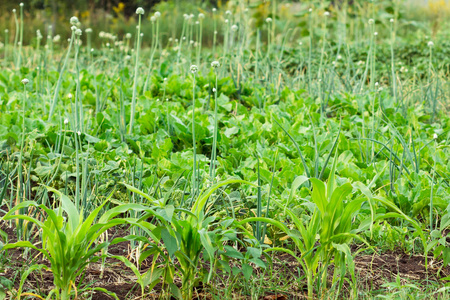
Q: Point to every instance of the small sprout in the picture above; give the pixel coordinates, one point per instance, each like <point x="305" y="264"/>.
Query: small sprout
<point x="215" y="64"/>
<point x="25" y="81"/>
<point x="430" y="44"/>
<point x="371" y="21"/>
<point x="74" y="20"/>
<point x="157" y="14"/>
<point x="234" y="28"/>
<point x="194" y="69"/>
<point x="139" y="11"/>
<point x="269" y="20"/>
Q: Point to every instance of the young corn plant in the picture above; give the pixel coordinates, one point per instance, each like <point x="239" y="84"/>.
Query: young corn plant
<point x="186" y="234"/>
<point x="68" y="240"/>
<point x="325" y="239"/>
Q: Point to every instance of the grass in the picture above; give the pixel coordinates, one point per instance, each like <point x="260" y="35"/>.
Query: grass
<point x="227" y="147"/>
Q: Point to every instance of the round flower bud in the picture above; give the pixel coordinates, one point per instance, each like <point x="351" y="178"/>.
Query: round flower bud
<point x="391" y="20"/>
<point x="214" y="90"/>
<point x="25" y="81"/>
<point x="78" y="32"/>
<point x="128" y="35"/>
<point x="214" y="9"/>
<point x="215" y="64"/>
<point x="430" y="44"/>
<point x="70" y="96"/>
<point x="201" y="16"/>
<point x="269" y="20"/>
<point x="21" y="4"/>
<point x="73" y="28"/>
<point x="88" y="30"/>
<point x="435" y="136"/>
<point x="157" y="14"/>
<point x="228" y="12"/>
<point x="66" y="121"/>
<point x="326" y="14"/>
<point x="139" y="11"/>
<point x="74" y="20"/>
<point x="194" y="69"/>
<point x="14" y="10"/>
<point x="153" y="18"/>
<point x="371" y="21"/>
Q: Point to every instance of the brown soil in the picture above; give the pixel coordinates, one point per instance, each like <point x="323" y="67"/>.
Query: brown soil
<point x="373" y="270"/>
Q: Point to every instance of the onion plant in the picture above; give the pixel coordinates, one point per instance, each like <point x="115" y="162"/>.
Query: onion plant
<point x="139" y="12"/>
<point x="74" y="22"/>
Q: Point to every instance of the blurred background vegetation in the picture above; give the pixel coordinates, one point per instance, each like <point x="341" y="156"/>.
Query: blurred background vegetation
<point x="427" y="17"/>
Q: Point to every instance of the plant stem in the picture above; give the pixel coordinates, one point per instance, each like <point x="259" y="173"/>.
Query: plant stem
<point x="133" y="99"/>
